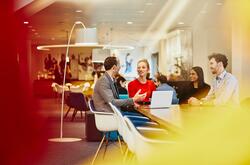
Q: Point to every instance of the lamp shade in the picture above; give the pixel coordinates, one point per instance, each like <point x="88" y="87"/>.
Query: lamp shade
<point x="87" y="36"/>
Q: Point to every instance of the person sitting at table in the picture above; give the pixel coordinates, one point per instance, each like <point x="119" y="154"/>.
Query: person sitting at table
<point x="161" y="82"/>
<point x="198" y="88"/>
<point x="224" y="89"/>
<point x="105" y="90"/>
<point x="142" y="83"/>
<point x="121" y="85"/>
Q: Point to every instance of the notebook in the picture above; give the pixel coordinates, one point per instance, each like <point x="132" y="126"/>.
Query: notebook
<point x="161" y="99"/>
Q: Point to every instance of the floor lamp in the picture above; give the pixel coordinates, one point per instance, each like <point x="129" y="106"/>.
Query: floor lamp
<point x="61" y="138"/>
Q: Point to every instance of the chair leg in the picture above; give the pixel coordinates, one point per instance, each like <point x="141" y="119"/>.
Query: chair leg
<point x="125" y="155"/>
<point x="74" y="114"/>
<point x="120" y="144"/>
<point x="106" y="145"/>
<point x="81" y="114"/>
<point x="67" y="112"/>
<point x="99" y="147"/>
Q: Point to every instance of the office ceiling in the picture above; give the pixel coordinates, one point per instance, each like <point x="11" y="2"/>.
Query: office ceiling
<point x="122" y="22"/>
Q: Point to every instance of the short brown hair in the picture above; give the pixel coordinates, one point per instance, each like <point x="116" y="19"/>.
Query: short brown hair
<point x="162" y="79"/>
<point x="219" y="58"/>
<point x="110" y="62"/>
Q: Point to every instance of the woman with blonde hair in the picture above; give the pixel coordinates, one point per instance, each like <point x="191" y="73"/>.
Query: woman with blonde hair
<point x="142" y="83"/>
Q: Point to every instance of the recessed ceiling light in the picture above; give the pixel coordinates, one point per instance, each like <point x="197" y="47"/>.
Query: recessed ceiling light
<point x="36" y="33"/>
<point x="180" y="23"/>
<point x="53" y="38"/>
<point x="129" y="22"/>
<point x="78" y="11"/>
<point x="25" y="22"/>
<point x="219" y="3"/>
<point x="33" y="30"/>
<point x="149" y="3"/>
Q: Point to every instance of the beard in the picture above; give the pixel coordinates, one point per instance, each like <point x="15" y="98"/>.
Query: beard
<point x="213" y="70"/>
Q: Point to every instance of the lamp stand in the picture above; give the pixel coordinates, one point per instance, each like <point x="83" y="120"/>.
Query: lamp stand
<point x="61" y="138"/>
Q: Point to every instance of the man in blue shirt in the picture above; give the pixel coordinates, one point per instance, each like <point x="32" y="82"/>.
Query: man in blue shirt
<point x="161" y="82"/>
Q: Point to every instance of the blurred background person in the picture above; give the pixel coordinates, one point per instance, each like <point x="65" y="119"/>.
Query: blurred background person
<point x="121" y="85"/>
<point x="161" y="82"/>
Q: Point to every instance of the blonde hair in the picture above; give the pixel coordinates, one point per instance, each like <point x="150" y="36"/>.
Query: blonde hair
<point x="145" y="61"/>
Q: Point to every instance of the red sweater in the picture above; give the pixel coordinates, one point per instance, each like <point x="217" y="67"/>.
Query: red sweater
<point x="135" y="85"/>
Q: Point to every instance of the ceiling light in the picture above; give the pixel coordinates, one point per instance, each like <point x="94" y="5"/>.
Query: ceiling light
<point x="218" y="3"/>
<point x="25" y="22"/>
<point x="129" y="22"/>
<point x="29" y="26"/>
<point x="117" y="47"/>
<point x="53" y="38"/>
<point x="149" y="3"/>
<point x="36" y="33"/>
<point x="33" y="30"/>
<point x="78" y="11"/>
<point x="181" y="23"/>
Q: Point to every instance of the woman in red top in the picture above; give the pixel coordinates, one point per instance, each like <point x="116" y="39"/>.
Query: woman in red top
<point x="141" y="83"/>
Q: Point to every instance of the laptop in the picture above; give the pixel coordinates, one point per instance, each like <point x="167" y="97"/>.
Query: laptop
<point x="161" y="99"/>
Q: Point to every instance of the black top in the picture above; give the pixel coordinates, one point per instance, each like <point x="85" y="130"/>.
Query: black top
<point x="198" y="93"/>
<point x="122" y="90"/>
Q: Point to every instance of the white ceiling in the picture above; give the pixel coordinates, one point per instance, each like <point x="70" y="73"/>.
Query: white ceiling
<point x="51" y="20"/>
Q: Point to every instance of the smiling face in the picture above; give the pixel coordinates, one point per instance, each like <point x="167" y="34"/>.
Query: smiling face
<point x="193" y="76"/>
<point x="142" y="69"/>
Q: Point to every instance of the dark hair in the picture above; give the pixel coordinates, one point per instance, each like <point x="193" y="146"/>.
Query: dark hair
<point x="110" y="62"/>
<point x="120" y="79"/>
<point x="162" y="79"/>
<point x="219" y="58"/>
<point x="200" y="75"/>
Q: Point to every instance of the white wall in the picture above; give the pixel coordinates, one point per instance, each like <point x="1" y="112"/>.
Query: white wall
<point x="241" y="57"/>
<point x="208" y="40"/>
<point x="136" y="55"/>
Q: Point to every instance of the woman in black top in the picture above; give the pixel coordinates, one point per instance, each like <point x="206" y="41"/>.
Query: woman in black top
<point x="199" y="89"/>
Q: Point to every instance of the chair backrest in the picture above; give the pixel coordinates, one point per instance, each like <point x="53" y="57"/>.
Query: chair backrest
<point x="75" y="89"/>
<point x="105" y="121"/>
<point x="120" y="121"/>
<point x="77" y="101"/>
<point x="145" y="146"/>
<point x="59" y="88"/>
<point x="53" y="85"/>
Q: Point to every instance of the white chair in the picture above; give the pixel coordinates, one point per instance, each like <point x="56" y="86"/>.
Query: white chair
<point x="126" y="132"/>
<point x="121" y="122"/>
<point x="146" y="142"/>
<point x="75" y="89"/>
<point x="86" y="86"/>
<point x="105" y="122"/>
<point x="59" y="88"/>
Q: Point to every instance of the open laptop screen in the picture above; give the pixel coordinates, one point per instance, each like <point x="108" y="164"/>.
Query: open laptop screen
<point x="161" y="99"/>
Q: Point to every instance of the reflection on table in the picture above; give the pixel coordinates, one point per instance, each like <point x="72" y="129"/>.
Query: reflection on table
<point x="179" y="118"/>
